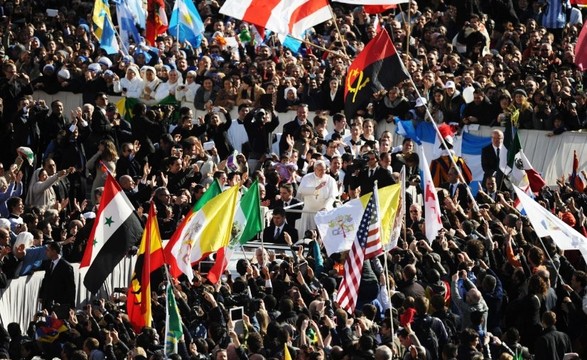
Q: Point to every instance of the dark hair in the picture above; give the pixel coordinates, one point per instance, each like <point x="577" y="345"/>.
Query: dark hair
<point x="53" y="245"/>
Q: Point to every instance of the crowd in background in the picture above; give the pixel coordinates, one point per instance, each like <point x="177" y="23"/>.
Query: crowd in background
<point x="486" y="287"/>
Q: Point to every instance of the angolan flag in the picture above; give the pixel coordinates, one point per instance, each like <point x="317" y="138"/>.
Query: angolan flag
<point x="376" y="68"/>
<point x="116" y="229"/>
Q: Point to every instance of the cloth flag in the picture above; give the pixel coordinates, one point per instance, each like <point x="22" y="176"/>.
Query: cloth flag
<point x="26" y="153"/>
<point x="522" y="173"/>
<point x="149" y="259"/>
<point x="156" y="20"/>
<point x="50" y="329"/>
<point x="116" y="228"/>
<point x="173" y="328"/>
<point x="373" y="2"/>
<point x="127" y="24"/>
<point x="367" y="244"/>
<point x="431" y="204"/>
<point x="378" y="9"/>
<point x="399" y="214"/>
<point x="338" y="227"/>
<point x="388" y="199"/>
<point x="546" y="223"/>
<point x="99" y="13"/>
<point x="286" y="354"/>
<point x="204" y="232"/>
<point x="211" y="193"/>
<point x="575" y="179"/>
<point x="366" y="75"/>
<point x="108" y="40"/>
<point x="186" y="23"/>
<point x="247" y="223"/>
<point x="139" y="12"/>
<point x="287" y="17"/>
<point x="581" y="50"/>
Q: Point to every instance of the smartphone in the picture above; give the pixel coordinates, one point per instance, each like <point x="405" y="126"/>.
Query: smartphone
<point x="209" y="145"/>
<point x="303" y="266"/>
<point x="205" y="266"/>
<point x="236" y="313"/>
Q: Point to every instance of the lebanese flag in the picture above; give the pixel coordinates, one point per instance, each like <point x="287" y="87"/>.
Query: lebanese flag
<point x="149" y="259"/>
<point x="156" y="20"/>
<point x="213" y="191"/>
<point x="247" y="223"/>
<point x="376" y="68"/>
<point x="575" y="179"/>
<point x="116" y="229"/>
<point x="286" y="17"/>
<point x="431" y="203"/>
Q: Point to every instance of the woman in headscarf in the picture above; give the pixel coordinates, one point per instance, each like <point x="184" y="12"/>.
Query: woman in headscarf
<point x="169" y="88"/>
<point x="205" y="95"/>
<point x="152" y="82"/>
<point x="41" y="192"/>
<point x="131" y="85"/>
<point x="102" y="162"/>
<point x="187" y="92"/>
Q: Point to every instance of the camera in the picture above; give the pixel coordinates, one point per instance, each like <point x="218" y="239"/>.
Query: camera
<point x="259" y="114"/>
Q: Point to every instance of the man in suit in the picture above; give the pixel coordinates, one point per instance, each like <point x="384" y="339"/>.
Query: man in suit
<point x="293" y="127"/>
<point x="58" y="285"/>
<point x="494" y="160"/>
<point x="373" y="172"/>
<point x="286" y="199"/>
<point x="456" y="188"/>
<point x="552" y="344"/>
<point x="488" y="195"/>
<point x="274" y="233"/>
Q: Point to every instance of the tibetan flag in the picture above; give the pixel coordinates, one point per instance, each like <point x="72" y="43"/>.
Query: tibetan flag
<point x="173" y="328"/>
<point x="376" y="68"/>
<point x="204" y="232"/>
<point x="186" y="23"/>
<point x="116" y="228"/>
<point x="149" y="259"/>
<point x="211" y="193"/>
<point x="247" y="223"/>
<point x="99" y="14"/>
<point x="156" y="20"/>
<point x="575" y="179"/>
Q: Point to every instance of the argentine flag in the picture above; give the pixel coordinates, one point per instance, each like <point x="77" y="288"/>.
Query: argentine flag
<point x="186" y="23"/>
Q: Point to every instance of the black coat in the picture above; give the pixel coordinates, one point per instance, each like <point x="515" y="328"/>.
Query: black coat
<point x="383" y="177"/>
<point x="552" y="345"/>
<point x="269" y="233"/>
<point x="58" y="285"/>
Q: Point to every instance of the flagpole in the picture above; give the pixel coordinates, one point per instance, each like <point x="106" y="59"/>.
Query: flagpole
<point x="337" y="53"/>
<point x="404" y="187"/>
<point x="338" y="30"/>
<point x="443" y="143"/>
<point x="409" y="27"/>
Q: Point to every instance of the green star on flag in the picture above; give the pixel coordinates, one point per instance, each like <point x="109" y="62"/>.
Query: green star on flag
<point x="109" y="221"/>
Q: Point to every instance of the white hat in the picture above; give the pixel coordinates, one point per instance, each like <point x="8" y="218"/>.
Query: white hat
<point x="64" y="74"/>
<point x="105" y="61"/>
<point x="95" y="67"/>
<point x="450" y="85"/>
<point x="420" y="102"/>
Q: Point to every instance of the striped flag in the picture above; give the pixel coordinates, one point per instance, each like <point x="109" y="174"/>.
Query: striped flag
<point x="367" y="245"/>
<point x="116" y="228"/>
<point x="575" y="179"/>
<point x="431" y="203"/>
<point x="149" y="259"/>
<point x="173" y="328"/>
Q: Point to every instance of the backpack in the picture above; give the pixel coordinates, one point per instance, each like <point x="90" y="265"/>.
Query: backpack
<point x="423" y="329"/>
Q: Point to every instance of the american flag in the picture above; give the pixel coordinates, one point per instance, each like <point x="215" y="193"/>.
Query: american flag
<point x="367" y="245"/>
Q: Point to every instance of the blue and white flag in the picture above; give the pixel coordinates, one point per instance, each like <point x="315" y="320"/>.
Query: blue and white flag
<point x="108" y="40"/>
<point x="186" y="23"/>
<point x="127" y="22"/>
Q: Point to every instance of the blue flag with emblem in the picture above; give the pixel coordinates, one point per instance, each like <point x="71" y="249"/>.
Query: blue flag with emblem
<point x="186" y="23"/>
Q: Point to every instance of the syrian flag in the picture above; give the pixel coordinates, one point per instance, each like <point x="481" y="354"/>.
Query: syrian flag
<point x="376" y="68"/>
<point x="247" y="223"/>
<point x="117" y="228"/>
<point x="522" y="173"/>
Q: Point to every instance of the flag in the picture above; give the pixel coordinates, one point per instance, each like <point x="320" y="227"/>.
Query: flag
<point x="99" y="14"/>
<point x="139" y="12"/>
<point x="108" y="40"/>
<point x="173" y="328"/>
<point x="399" y="214"/>
<point x="407" y="129"/>
<point x="247" y="223"/>
<point x="204" y="232"/>
<point x="581" y="50"/>
<point x="212" y="192"/>
<point x="575" y="179"/>
<point x="546" y="223"/>
<point x="388" y="199"/>
<point x="431" y="204"/>
<point x="373" y="2"/>
<point x="366" y="76"/>
<point x="149" y="259"/>
<point x="26" y="153"/>
<point x="281" y="16"/>
<point x="366" y="245"/>
<point x="522" y="173"/>
<point x="186" y="23"/>
<point x="116" y="228"/>
<point x="50" y="329"/>
<point x="286" y="354"/>
<point x="338" y="227"/>
<point x="378" y="9"/>
<point x="156" y="20"/>
<point x="127" y="24"/>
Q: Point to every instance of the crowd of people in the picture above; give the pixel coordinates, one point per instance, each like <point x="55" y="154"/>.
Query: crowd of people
<point x="485" y="288"/>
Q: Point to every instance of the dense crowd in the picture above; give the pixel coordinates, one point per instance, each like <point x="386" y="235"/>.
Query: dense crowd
<point x="486" y="288"/>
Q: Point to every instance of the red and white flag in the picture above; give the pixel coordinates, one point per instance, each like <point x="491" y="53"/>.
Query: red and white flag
<point x="286" y="17"/>
<point x="581" y="50"/>
<point x="373" y="2"/>
<point x="367" y="245"/>
<point x="431" y="204"/>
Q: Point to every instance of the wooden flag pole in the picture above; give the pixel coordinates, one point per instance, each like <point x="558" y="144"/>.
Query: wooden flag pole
<point x="338" y="31"/>
<point x="337" y="53"/>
